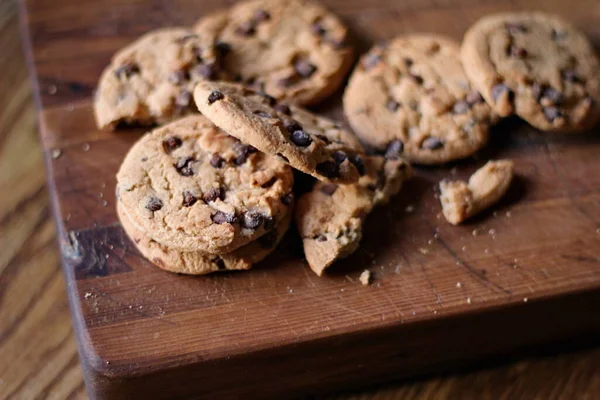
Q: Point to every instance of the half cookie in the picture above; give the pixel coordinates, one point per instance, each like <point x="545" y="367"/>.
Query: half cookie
<point x="192" y="187"/>
<point x="412" y="97"/>
<point x="294" y="50"/>
<point x="151" y="80"/>
<point x="537" y="66"/>
<point x="310" y="143"/>
<point x="330" y="217"/>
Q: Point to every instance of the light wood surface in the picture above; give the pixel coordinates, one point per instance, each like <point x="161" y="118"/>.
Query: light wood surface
<point x="35" y="333"/>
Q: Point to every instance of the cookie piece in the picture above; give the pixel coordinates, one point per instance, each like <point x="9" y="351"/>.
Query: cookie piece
<point x="313" y="144"/>
<point x="294" y="50"/>
<point x="199" y="263"/>
<point x="151" y="80"/>
<point x="191" y="187"/>
<point x="411" y="96"/>
<point x="330" y="217"/>
<point x="461" y="200"/>
<point x="537" y="66"/>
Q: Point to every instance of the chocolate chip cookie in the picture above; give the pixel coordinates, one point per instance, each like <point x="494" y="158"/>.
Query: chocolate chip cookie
<point x="295" y="50"/>
<point x="151" y="80"/>
<point x="411" y="97"/>
<point x="199" y="263"/>
<point x="537" y="66"/>
<point x="461" y="200"/>
<point x="330" y="217"/>
<point x="313" y="144"/>
<point x="191" y="187"/>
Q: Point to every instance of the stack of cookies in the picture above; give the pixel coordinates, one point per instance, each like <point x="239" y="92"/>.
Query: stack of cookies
<point x="213" y="187"/>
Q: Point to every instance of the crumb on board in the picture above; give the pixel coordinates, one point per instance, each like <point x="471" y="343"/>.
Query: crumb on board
<point x="87" y="295"/>
<point x="365" y="277"/>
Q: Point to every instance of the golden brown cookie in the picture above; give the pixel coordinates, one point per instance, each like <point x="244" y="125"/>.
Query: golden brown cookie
<point x="537" y="66"/>
<point x="192" y="187"/>
<point x="412" y="97"/>
<point x="312" y="144"/>
<point x="295" y="50"/>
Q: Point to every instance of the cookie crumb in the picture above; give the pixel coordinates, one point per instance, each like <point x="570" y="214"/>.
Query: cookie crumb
<point x="508" y="214"/>
<point x="525" y="299"/>
<point x="475" y="232"/>
<point x="423" y="250"/>
<point x="52" y="89"/>
<point x="87" y="295"/>
<point x="86" y="147"/>
<point x="56" y="153"/>
<point x="458" y="285"/>
<point x="365" y="277"/>
<point x="409" y="208"/>
<point x="492" y="231"/>
<point x="468" y="300"/>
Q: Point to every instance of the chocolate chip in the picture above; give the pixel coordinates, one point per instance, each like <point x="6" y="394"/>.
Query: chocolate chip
<point x="171" y="143"/>
<point x="269" y="239"/>
<point x="318" y="29"/>
<point x="221" y="218"/>
<point x="292" y="126"/>
<point x="553" y="95"/>
<point x="223" y="48"/>
<point x="216" y="161"/>
<point x="262" y="114"/>
<point x="370" y="61"/>
<point x="282" y="157"/>
<point x="417" y="78"/>
<point x="320" y="238"/>
<point x="359" y="163"/>
<point x="392" y="105"/>
<point x="514" y="28"/>
<point x="269" y="183"/>
<point x="287" y="199"/>
<point x="220" y="263"/>
<point x="251" y="219"/>
<point x="474" y="97"/>
<point x="248" y="28"/>
<point x="324" y="138"/>
<point x="517" y="52"/>
<point x="408" y="61"/>
<point x="261" y="15"/>
<point x="339" y="157"/>
<point x="432" y="143"/>
<point x="570" y="76"/>
<point x="215" y="95"/>
<point x="213" y="194"/>
<point x="269" y="223"/>
<point x="206" y="71"/>
<point x="304" y="68"/>
<point x="551" y="113"/>
<point x="153" y="204"/>
<point x="283" y="108"/>
<point x="184" y="166"/>
<point x="329" y="189"/>
<point x="499" y="89"/>
<point x="329" y="169"/>
<point x="183" y="100"/>
<point x="178" y="77"/>
<point x="393" y="150"/>
<point x="301" y="138"/>
<point x="460" y="107"/>
<point x="251" y="149"/>
<point x="189" y="199"/>
<point x="127" y="69"/>
<point x="556" y="35"/>
<point x="243" y="151"/>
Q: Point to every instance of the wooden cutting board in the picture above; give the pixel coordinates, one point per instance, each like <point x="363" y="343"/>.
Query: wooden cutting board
<point x="526" y="274"/>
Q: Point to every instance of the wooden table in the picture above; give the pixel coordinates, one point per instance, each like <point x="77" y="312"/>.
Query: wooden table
<point x="38" y="355"/>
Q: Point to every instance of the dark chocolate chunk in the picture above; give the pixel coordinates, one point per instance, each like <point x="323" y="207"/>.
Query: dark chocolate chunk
<point x="178" y="77"/>
<point x="216" y="161"/>
<point x="392" y="105"/>
<point x="329" y="169"/>
<point x="292" y="126"/>
<point x="329" y="188"/>
<point x="243" y="151"/>
<point x="394" y="149"/>
<point x="213" y="194"/>
<point x="359" y="163"/>
<point x="221" y="218"/>
<point x="283" y="108"/>
<point x="251" y="219"/>
<point x="220" y="263"/>
<point x="189" y="199"/>
<point x="553" y="95"/>
<point x="215" y="95"/>
<point x="318" y="29"/>
<point x="551" y="113"/>
<point x="339" y="157"/>
<point x="185" y="166"/>
<point x="474" y="97"/>
<point x="171" y="143"/>
<point x="287" y="199"/>
<point x="304" y="68"/>
<point x="127" y="69"/>
<point x="432" y="143"/>
<point x="417" y="78"/>
<point x="223" y="48"/>
<point x="370" y="60"/>
<point x="408" y="61"/>
<point x="153" y="204"/>
<point x="460" y="107"/>
<point x="498" y="89"/>
<point x="301" y="138"/>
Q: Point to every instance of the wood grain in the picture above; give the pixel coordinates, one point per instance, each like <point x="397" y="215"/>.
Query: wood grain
<point x="34" y="328"/>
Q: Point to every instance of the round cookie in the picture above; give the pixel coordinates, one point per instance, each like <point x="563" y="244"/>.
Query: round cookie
<point x="152" y="79"/>
<point x="192" y="187"/>
<point x="310" y="143"/>
<point x="294" y="50"/>
<point x="199" y="263"/>
<point x="412" y="97"/>
<point x="537" y="66"/>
